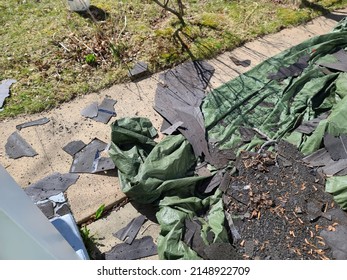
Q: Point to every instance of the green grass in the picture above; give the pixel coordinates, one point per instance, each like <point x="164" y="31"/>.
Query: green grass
<point x="56" y="55"/>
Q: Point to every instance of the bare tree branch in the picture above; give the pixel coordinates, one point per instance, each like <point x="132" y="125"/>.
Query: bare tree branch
<point x="179" y="14"/>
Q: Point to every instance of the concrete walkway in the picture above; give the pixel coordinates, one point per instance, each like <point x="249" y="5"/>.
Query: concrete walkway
<point x="133" y="99"/>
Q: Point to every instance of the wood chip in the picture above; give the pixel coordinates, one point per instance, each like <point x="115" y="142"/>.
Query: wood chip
<point x="318" y="227"/>
<point x="331" y="228"/>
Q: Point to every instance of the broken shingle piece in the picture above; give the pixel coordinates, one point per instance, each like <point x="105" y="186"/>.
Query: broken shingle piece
<point x="106" y="110"/>
<point x="139" y="71"/>
<point x="128" y="233"/>
<point x="47" y="208"/>
<point x="178" y="99"/>
<point x="91" y="111"/>
<point x="50" y="185"/>
<point x="221" y="158"/>
<point x="320" y="157"/>
<point x="74" y="147"/>
<point x="88" y="160"/>
<point x="292" y="70"/>
<point x="171" y="129"/>
<point x="246" y="133"/>
<point x="238" y="62"/>
<point x="192" y="236"/>
<point x="33" y="123"/>
<point x="335" y="167"/>
<point x="336" y="146"/>
<point x="140" y="248"/>
<point x="5" y="90"/>
<point x="210" y="185"/>
<point x="336" y="240"/>
<point x="341" y="64"/>
<point x="17" y="147"/>
<point x="307" y="127"/>
<point x="100" y="113"/>
<point x="63" y="210"/>
<point x="103" y="164"/>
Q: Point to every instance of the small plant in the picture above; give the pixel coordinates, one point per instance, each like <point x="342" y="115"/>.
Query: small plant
<point x="90" y="59"/>
<point x="117" y="51"/>
<point x="99" y="212"/>
<point x="85" y="234"/>
<point x="88" y="240"/>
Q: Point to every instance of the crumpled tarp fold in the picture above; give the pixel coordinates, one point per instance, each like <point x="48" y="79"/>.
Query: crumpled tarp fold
<point x="163" y="173"/>
<point x="277" y="108"/>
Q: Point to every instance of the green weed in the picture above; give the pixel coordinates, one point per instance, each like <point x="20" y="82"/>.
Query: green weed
<point x="99" y="212"/>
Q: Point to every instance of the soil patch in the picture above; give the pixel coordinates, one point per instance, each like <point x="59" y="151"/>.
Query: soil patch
<point x="279" y="206"/>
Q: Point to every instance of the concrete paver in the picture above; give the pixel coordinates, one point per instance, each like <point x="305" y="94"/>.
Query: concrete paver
<point x="103" y="229"/>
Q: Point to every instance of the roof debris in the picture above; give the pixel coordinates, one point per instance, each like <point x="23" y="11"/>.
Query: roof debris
<point x="171" y="129"/>
<point x="139" y="248"/>
<point x="47" y="208"/>
<point x="91" y="111"/>
<point x="100" y="113"/>
<point x="307" y="127"/>
<point x="292" y="70"/>
<point x="17" y="147"/>
<point x="337" y="241"/>
<point x="50" y="186"/>
<point x="106" y="111"/>
<point x="277" y="207"/>
<point x="238" y="62"/>
<point x="128" y="233"/>
<point x="90" y="160"/>
<point x="341" y="61"/>
<point x="192" y="236"/>
<point x="332" y="158"/>
<point x="74" y="147"/>
<point x="139" y="71"/>
<point x="178" y="99"/>
<point x="32" y="123"/>
<point x="336" y="146"/>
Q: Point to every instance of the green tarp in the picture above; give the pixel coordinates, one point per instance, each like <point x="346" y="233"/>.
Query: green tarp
<point x="163" y="173"/>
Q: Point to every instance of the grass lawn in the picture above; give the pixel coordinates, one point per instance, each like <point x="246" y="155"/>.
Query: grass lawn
<point x="55" y="54"/>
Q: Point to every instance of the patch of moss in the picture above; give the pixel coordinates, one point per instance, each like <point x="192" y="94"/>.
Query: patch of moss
<point x="165" y="32"/>
<point x="292" y="17"/>
<point x="211" y="20"/>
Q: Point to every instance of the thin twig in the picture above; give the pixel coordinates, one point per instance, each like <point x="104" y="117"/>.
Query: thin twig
<point x="267" y="143"/>
<point x="262" y="133"/>
<point x="123" y="29"/>
<point x="64" y="47"/>
<point x="151" y="224"/>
